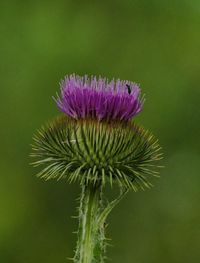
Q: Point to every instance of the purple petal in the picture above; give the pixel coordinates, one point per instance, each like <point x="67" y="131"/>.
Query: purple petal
<point x="84" y="97"/>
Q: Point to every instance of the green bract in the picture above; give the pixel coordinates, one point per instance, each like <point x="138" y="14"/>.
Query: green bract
<point x="91" y="151"/>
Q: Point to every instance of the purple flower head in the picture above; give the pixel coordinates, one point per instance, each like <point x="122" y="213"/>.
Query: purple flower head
<point x="84" y="97"/>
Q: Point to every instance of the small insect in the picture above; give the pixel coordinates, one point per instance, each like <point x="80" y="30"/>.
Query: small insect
<point x="129" y="88"/>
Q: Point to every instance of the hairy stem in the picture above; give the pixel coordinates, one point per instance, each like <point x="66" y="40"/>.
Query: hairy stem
<point x="92" y="216"/>
<point x="90" y="246"/>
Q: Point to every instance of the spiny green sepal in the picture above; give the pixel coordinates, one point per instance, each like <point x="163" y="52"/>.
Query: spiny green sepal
<point x="88" y="151"/>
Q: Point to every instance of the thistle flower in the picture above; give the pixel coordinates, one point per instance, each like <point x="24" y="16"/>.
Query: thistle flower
<point x="83" y="97"/>
<point x="95" y="143"/>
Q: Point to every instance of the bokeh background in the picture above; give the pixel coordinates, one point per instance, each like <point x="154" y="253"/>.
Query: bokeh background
<point x="155" y="43"/>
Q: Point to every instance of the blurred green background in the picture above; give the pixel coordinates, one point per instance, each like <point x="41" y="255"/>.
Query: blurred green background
<point x="155" y="43"/>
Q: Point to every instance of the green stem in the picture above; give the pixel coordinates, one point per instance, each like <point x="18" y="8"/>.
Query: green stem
<point x="90" y="246"/>
<point x="92" y="216"/>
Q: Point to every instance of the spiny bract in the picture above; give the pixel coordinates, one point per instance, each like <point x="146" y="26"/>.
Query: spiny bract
<point x="87" y="150"/>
